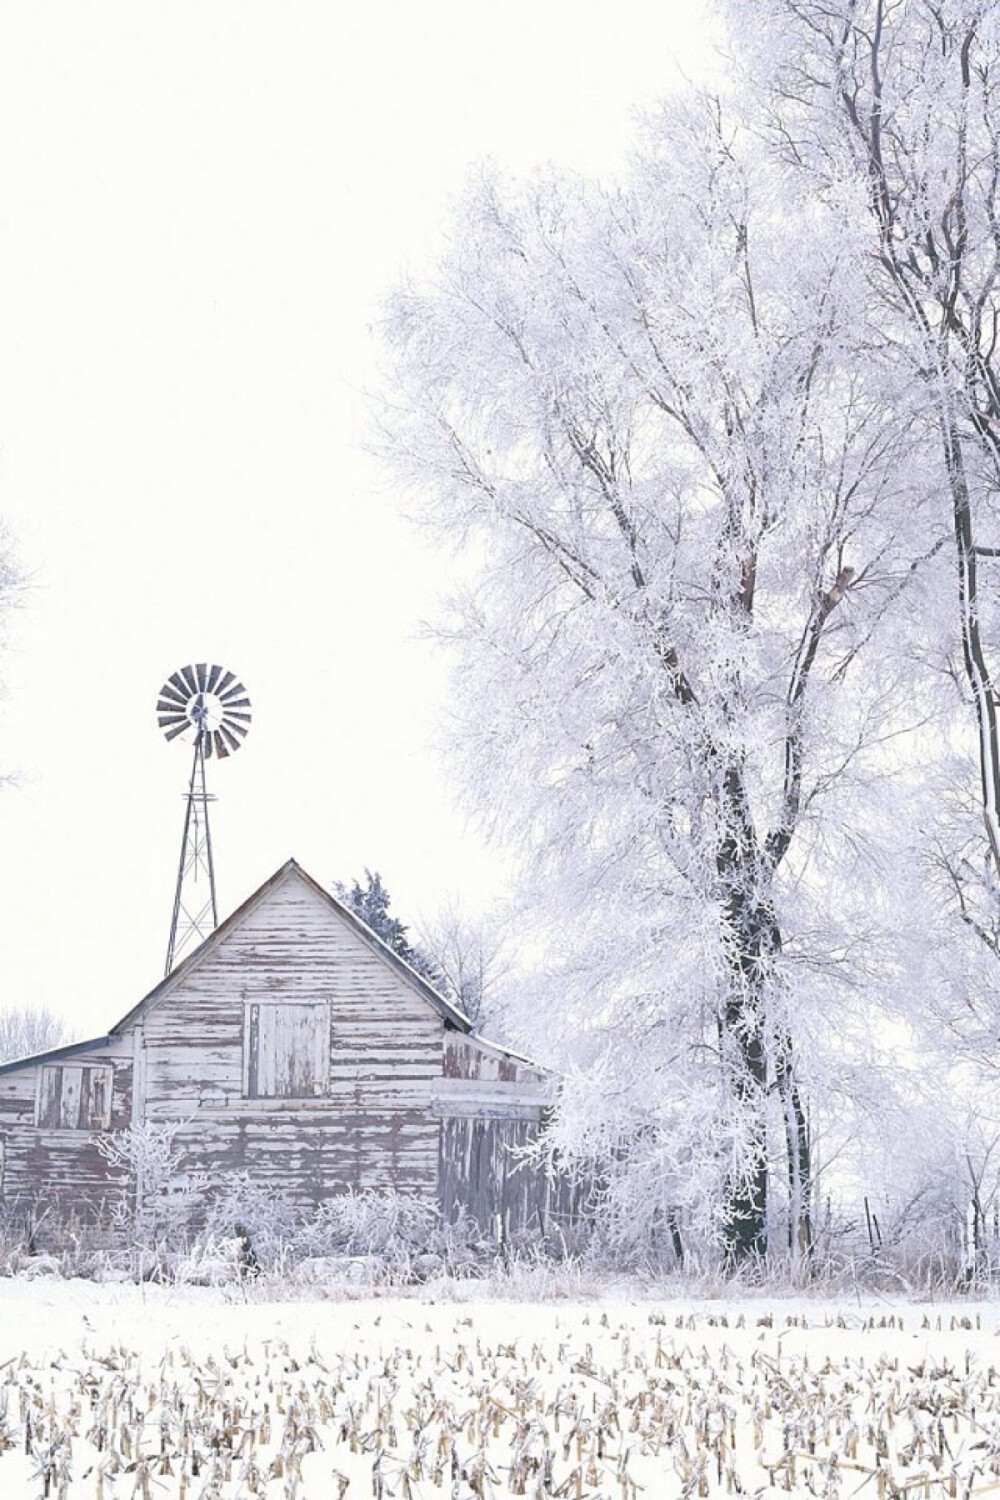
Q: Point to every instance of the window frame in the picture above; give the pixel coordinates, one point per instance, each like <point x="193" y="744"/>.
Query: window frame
<point x="42" y="1095"/>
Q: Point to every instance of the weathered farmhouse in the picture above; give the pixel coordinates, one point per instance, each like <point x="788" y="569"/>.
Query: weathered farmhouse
<point x="292" y="1045"/>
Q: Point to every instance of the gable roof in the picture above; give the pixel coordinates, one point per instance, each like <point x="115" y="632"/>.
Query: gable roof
<point x="450" y="1014"/>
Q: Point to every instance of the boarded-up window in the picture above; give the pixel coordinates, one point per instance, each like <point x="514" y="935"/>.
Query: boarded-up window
<point x="74" y="1097"/>
<point x="286" y="1051"/>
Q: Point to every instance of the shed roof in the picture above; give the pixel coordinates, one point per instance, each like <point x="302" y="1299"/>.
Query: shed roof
<point x="56" y="1054"/>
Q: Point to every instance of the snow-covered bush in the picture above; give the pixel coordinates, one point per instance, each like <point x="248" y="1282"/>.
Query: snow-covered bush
<point x="210" y="1262"/>
<point x="155" y="1195"/>
<point x="402" y="1235"/>
<point x="406" y="1233"/>
<point x="13" y="1241"/>
<point x="369" y="1223"/>
<point x="271" y="1224"/>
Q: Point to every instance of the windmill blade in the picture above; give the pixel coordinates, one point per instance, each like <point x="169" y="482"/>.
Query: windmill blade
<point x="232" y="693"/>
<point x="227" y="678"/>
<point x="188" y="675"/>
<point x="166" y="705"/>
<point x="172" y="721"/>
<point x="172" y="716"/>
<point x="231" y="718"/>
<point x="230" y="738"/>
<point x="201" y="672"/>
<point x="221" y="748"/>
<point x="172" y="695"/>
<point x="171" y="734"/>
<point x="181" y="687"/>
<point x="214" y="673"/>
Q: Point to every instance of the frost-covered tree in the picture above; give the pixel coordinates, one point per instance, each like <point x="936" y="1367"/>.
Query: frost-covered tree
<point x="471" y="958"/>
<point x="650" y="418"/>
<point x="27" y="1029"/>
<point x="905" y="100"/>
<point x="891" y="113"/>
<point x="155" y="1193"/>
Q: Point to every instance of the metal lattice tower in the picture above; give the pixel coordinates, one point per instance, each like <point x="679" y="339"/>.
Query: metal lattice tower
<point x="210" y="707"/>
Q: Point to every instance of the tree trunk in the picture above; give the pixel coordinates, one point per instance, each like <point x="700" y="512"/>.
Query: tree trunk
<point x="676" y="1240"/>
<point x="799" y="1154"/>
<point x="752" y="940"/>
<point x="745" y="1209"/>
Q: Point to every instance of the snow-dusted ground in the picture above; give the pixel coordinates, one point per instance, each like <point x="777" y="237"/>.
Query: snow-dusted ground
<point x="109" y="1391"/>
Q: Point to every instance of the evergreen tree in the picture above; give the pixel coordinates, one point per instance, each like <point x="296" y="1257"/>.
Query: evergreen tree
<point x="370" y="902"/>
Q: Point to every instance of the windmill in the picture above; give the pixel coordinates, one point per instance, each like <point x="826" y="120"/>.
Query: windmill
<point x="210" y="708"/>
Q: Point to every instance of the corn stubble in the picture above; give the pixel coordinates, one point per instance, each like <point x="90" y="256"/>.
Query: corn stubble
<point x="700" y="1406"/>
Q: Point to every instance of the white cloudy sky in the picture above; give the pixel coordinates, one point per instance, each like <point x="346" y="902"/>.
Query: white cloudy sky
<point x="200" y="206"/>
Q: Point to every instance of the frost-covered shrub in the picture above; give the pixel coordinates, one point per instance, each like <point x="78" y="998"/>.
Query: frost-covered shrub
<point x="210" y="1262"/>
<point x="402" y="1235"/>
<point x="155" y="1195"/>
<point x="405" y="1233"/>
<point x="13" y="1241"/>
<point x="463" y="1245"/>
<point x="248" y="1211"/>
<point x="370" y="1223"/>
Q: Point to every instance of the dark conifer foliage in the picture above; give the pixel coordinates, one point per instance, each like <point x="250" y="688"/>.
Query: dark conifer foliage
<point x="370" y="901"/>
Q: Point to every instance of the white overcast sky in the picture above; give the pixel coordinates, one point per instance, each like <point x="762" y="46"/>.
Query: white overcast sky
<point x="201" y="204"/>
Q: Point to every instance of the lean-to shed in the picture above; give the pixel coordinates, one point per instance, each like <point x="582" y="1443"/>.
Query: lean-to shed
<point x="295" y="1046"/>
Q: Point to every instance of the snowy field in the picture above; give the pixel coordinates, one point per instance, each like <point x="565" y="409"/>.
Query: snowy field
<point x="127" y="1391"/>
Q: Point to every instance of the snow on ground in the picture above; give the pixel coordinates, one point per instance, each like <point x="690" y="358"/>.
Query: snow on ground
<point x="144" y="1391"/>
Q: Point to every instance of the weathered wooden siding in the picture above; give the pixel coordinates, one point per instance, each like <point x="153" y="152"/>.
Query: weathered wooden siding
<point x="371" y="1127"/>
<point x="483" y="1171"/>
<point x="473" y="1057"/>
<point x="491" y="1104"/>
<point x="58" y="1164"/>
<point x="292" y="1048"/>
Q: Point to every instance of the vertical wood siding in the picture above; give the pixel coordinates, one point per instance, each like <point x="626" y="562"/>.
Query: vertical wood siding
<point x="492" y="1105"/>
<point x="286" y="1050"/>
<point x="483" y="1172"/>
<point x="74" y="1096"/>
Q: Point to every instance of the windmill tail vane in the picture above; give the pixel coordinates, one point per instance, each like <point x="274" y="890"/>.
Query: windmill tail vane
<point x="209" y="708"/>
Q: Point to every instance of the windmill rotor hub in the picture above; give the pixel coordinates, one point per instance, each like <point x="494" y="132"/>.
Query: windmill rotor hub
<point x="206" y="711"/>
